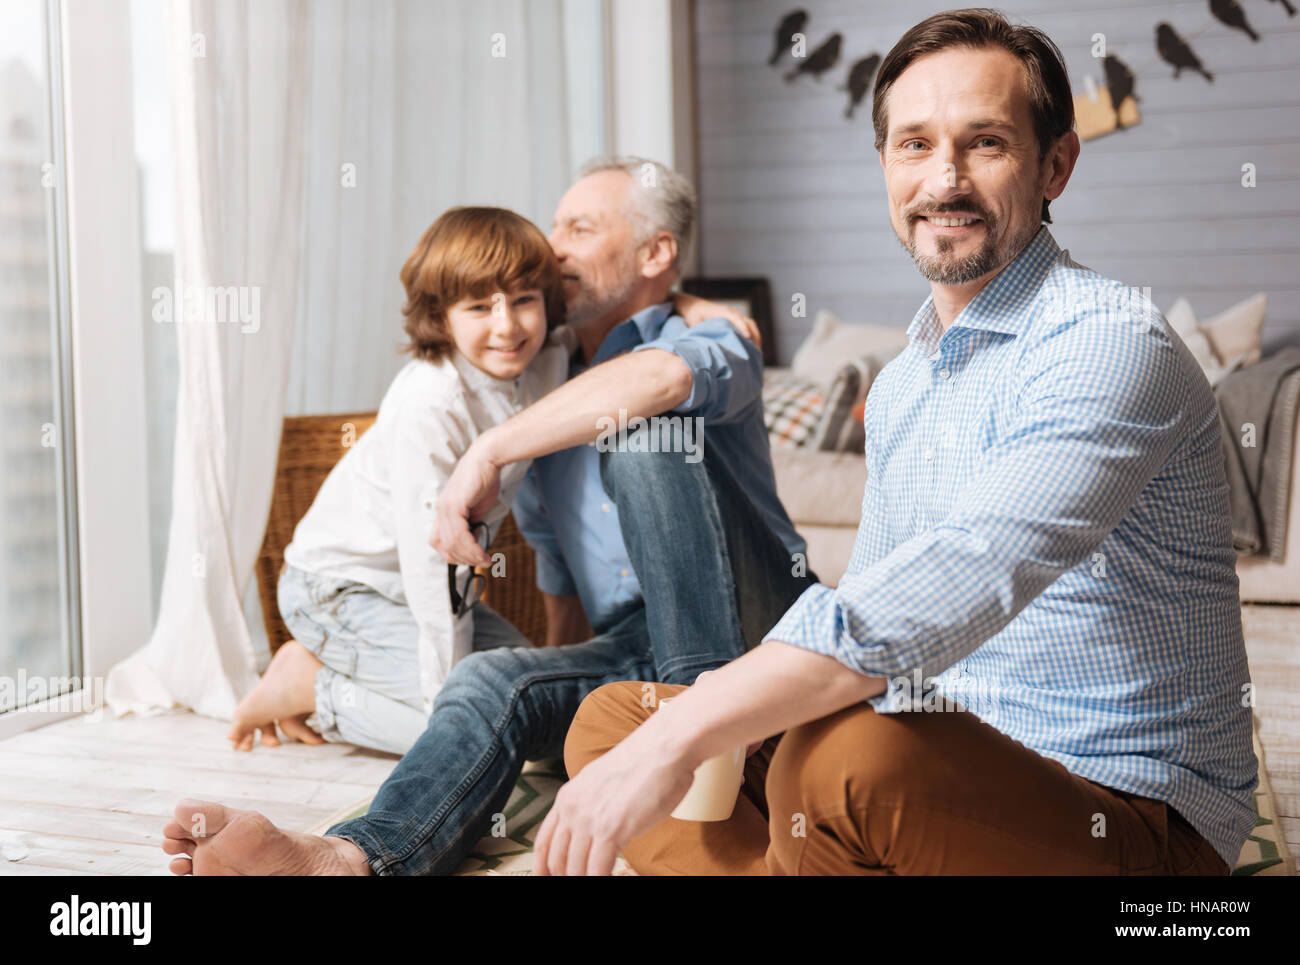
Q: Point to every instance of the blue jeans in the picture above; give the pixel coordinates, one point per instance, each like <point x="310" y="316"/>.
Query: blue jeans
<point x="714" y="578"/>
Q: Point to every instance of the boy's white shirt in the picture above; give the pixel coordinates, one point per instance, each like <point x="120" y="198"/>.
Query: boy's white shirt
<point x="373" y="516"/>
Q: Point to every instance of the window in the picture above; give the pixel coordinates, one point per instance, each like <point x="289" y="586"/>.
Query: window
<point x="39" y="632"/>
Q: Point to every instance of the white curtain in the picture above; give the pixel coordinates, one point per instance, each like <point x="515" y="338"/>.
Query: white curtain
<point x="314" y="143"/>
<point x="432" y="105"/>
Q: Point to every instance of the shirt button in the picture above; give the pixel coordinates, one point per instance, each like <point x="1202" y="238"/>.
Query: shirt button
<point x="928" y="454"/>
<point x="623" y="572"/>
<point x="604" y="507"/>
<point x="944" y="373"/>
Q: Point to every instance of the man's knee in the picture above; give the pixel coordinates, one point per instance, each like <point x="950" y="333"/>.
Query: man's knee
<point x="607" y="715"/>
<point x="848" y="760"/>
<point x="489" y="679"/>
<point x="644" y="461"/>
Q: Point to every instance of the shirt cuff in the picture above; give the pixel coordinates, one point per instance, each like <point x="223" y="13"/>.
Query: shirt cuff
<point x="811" y="625"/>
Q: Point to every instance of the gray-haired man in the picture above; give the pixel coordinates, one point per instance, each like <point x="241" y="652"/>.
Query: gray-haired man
<point x="680" y="563"/>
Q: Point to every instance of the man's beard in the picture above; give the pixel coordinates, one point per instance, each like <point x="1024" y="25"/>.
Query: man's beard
<point x="943" y="269"/>
<point x="588" y="304"/>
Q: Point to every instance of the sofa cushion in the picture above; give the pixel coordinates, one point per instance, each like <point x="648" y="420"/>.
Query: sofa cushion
<point x="823" y="488"/>
<point x="1232" y="338"/>
<point x="1182" y="320"/>
<point x="831" y="341"/>
<point x="792" y="407"/>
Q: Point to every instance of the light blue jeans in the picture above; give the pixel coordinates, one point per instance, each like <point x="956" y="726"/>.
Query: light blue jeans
<point x="368" y="691"/>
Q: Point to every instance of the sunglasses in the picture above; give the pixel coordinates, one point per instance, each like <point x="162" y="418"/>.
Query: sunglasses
<point x="465" y="584"/>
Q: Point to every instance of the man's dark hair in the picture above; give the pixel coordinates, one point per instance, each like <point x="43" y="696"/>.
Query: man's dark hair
<point x="1046" y="81"/>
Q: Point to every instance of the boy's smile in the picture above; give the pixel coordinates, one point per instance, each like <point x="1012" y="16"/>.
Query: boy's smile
<point x="499" y="334"/>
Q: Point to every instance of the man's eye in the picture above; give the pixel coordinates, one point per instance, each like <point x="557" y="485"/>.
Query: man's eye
<point x="907" y="144"/>
<point x="993" y="141"/>
<point x="524" y="299"/>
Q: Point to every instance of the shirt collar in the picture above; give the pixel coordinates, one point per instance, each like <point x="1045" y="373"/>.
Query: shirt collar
<point x="642" y="327"/>
<point x="476" y="378"/>
<point x="1003" y="305"/>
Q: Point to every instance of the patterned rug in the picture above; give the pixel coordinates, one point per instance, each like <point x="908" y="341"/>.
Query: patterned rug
<point x="511" y="853"/>
<point x="1265" y="851"/>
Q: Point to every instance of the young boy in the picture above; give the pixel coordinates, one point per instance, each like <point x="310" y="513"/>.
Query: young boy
<point x="378" y="620"/>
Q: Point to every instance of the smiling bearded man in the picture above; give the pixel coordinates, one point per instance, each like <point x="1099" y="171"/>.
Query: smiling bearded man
<point x="1045" y="549"/>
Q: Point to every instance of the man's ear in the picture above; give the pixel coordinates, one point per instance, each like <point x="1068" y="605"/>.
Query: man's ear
<point x="659" y="254"/>
<point x="1059" y="165"/>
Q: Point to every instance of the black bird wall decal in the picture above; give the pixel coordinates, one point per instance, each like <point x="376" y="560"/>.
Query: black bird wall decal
<point x="1176" y="52"/>
<point x="820" y="60"/>
<point x="1290" y="10"/>
<point x="1119" y="81"/>
<point x="859" y="81"/>
<point x="1231" y="13"/>
<point x="791" y="24"/>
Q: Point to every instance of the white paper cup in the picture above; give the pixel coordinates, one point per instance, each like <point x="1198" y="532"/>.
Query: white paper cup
<point x="713" y="792"/>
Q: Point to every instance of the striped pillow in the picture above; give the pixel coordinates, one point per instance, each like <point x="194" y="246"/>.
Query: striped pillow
<point x="792" y="408"/>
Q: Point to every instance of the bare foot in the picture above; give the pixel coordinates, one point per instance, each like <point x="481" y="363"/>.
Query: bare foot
<point x="222" y="841"/>
<point x="287" y="693"/>
<point x="296" y="727"/>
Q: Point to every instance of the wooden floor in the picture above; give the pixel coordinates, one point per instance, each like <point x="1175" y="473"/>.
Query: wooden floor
<point x="91" y="797"/>
<point x="1273" y="649"/>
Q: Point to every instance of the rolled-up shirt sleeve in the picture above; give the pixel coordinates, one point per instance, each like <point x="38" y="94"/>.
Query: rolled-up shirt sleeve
<point x="726" y="368"/>
<point x="534" y="522"/>
<point x="1090" y="432"/>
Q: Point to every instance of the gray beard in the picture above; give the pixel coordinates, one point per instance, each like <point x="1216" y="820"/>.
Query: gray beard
<point x="591" y="306"/>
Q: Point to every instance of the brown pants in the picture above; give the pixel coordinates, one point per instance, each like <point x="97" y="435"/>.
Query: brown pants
<point x="911" y="793"/>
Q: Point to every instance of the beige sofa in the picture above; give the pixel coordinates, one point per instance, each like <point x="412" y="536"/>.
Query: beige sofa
<point x="822" y="492"/>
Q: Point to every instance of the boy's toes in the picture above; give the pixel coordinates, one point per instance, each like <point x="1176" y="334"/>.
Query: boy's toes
<point x="269" y="738"/>
<point x="296" y="727"/>
<point x="180" y="866"/>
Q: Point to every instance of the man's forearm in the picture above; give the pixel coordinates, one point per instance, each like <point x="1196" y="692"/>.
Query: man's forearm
<point x="642" y="383"/>
<point x="772" y="688"/>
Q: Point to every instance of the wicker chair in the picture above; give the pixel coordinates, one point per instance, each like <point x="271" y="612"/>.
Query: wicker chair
<point x="309" y="448"/>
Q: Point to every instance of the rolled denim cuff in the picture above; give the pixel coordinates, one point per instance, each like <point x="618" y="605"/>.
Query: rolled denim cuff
<point x="381" y="860"/>
<point x="325" y="719"/>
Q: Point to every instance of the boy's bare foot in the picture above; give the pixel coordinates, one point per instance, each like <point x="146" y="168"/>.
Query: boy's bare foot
<point x="223" y="841"/>
<point x="286" y="693"/>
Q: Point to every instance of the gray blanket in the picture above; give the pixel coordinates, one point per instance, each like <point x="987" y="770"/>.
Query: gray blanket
<point x="1259" y="464"/>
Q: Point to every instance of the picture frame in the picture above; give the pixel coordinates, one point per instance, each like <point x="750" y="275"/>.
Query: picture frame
<point x="751" y="296"/>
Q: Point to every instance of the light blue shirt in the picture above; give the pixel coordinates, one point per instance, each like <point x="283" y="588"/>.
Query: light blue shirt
<point x="1045" y="531"/>
<point x="562" y="508"/>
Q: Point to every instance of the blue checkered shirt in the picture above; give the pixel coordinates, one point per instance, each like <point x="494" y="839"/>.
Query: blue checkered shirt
<point x="1045" y="533"/>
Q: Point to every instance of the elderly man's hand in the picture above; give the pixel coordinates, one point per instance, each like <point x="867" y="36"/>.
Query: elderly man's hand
<point x="613" y="800"/>
<point x="470" y="492"/>
<point x="694" y="310"/>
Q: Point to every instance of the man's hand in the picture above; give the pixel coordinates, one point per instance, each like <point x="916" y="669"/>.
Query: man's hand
<point x="694" y="310"/>
<point x="470" y="492"/>
<point x="614" y="799"/>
